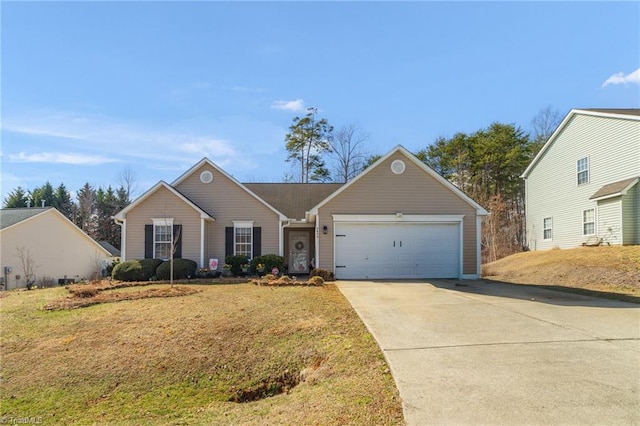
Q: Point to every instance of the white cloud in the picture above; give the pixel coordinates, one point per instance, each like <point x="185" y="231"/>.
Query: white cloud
<point x="60" y="158"/>
<point x="620" y="78"/>
<point x="294" y="106"/>
<point x="208" y="148"/>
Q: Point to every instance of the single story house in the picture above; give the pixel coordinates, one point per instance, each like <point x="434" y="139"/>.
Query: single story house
<point x="582" y="187"/>
<point x="397" y="219"/>
<point x="58" y="250"/>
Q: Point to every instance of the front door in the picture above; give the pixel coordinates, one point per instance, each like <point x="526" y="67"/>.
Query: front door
<point x="298" y="252"/>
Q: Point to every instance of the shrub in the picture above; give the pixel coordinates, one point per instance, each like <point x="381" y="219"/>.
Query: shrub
<point x="236" y="263"/>
<point x="110" y="266"/>
<point x="182" y="268"/>
<point x="323" y="273"/>
<point x="269" y="261"/>
<point x="131" y="270"/>
<point x="149" y="267"/>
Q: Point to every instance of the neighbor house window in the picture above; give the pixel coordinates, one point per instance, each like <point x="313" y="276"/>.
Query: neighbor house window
<point x="547" y="224"/>
<point x="162" y="238"/>
<point x="583" y="170"/>
<point x="588" y="222"/>
<point x="243" y="239"/>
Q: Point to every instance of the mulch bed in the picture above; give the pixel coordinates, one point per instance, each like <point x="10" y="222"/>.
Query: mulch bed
<point x="84" y="295"/>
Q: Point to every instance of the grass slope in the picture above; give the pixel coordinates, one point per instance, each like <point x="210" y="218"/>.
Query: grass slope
<point x="181" y="360"/>
<point x="605" y="271"/>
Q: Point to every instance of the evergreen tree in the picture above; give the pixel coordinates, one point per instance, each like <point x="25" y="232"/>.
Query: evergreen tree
<point x="86" y="217"/>
<point x="43" y="194"/>
<point x="16" y="198"/>
<point x="63" y="202"/>
<point x="306" y="141"/>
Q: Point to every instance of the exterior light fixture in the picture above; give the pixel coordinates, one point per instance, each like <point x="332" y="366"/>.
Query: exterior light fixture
<point x="325" y="230"/>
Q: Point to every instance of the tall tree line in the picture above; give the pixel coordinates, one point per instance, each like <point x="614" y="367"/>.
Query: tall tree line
<point x="91" y="211"/>
<point x="485" y="164"/>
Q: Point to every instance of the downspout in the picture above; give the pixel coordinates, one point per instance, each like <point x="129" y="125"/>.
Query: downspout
<point x="123" y="237"/>
<point x="202" y="229"/>
<point x="281" y="236"/>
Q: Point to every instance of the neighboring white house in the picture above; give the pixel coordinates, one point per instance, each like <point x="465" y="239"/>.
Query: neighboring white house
<point x="58" y="249"/>
<point x="582" y="187"/>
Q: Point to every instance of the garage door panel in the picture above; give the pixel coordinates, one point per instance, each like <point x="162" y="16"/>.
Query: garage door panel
<point x="370" y="251"/>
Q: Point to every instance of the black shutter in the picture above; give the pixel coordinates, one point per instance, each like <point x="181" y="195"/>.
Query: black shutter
<point x="257" y="241"/>
<point x="177" y="231"/>
<point x="228" y="241"/>
<point x="148" y="241"/>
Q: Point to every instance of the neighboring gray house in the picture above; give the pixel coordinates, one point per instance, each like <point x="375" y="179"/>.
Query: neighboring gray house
<point x="582" y="187"/>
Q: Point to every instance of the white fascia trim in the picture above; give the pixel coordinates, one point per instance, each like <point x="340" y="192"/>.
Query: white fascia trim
<point x="392" y="218"/>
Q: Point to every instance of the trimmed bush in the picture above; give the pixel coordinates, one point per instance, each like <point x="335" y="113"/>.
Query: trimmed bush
<point x="268" y="261"/>
<point x="131" y="270"/>
<point x="236" y="263"/>
<point x="323" y="273"/>
<point x="149" y="267"/>
<point x="182" y="268"/>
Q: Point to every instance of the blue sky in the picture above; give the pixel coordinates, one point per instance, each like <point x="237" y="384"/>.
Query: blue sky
<point x="89" y="89"/>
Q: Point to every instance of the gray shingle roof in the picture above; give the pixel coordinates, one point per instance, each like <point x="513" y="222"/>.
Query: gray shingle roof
<point x="110" y="248"/>
<point x="12" y="216"/>
<point x="293" y="199"/>
<point x="614" y="188"/>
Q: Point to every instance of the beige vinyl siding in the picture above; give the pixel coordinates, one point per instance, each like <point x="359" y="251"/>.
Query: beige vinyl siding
<point x="631" y="216"/>
<point x="226" y="201"/>
<point x="610" y="221"/>
<point x="613" y="148"/>
<point x="414" y="192"/>
<point x="57" y="246"/>
<point x="163" y="204"/>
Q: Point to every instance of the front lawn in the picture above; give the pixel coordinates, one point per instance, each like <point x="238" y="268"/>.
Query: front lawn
<point x="211" y="357"/>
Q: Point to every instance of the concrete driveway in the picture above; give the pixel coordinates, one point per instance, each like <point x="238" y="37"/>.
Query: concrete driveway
<point x="492" y="354"/>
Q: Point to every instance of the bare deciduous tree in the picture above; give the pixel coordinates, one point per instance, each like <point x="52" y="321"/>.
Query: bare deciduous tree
<point x="543" y="125"/>
<point x="28" y="265"/>
<point x="127" y="180"/>
<point x="346" y="151"/>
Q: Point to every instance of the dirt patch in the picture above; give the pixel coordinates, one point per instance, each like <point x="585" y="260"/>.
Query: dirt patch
<point x="88" y="295"/>
<point x="267" y="388"/>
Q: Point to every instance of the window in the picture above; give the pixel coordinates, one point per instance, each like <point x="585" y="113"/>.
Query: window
<point x="162" y="238"/>
<point x="583" y="170"/>
<point x="547" y="224"/>
<point x="243" y="239"/>
<point x="588" y="222"/>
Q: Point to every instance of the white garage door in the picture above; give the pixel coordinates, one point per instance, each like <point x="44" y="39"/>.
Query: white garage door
<point x="397" y="250"/>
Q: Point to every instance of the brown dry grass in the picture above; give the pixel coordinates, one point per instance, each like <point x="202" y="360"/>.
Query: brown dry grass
<point x="181" y="360"/>
<point x="609" y="271"/>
